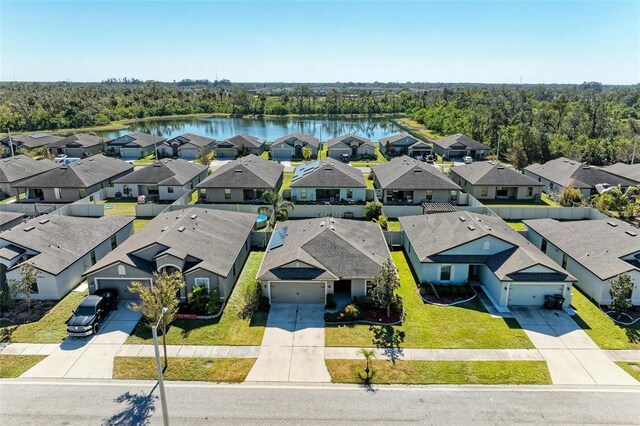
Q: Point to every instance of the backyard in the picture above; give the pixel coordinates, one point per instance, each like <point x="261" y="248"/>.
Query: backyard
<point x="465" y="326"/>
<point x="115" y="207"/>
<point x="229" y="329"/>
<point x="286" y="181"/>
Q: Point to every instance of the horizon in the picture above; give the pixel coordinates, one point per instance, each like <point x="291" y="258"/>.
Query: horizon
<point x="305" y="42"/>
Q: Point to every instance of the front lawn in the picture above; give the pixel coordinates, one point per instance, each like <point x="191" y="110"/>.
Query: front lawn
<point x="15" y="365"/>
<point x="230" y="370"/>
<point x="51" y="328"/>
<point x="465" y="326"/>
<point x="115" y="207"/>
<point x="442" y="372"/>
<point x="229" y="329"/>
<point x="606" y="333"/>
<point x="633" y="368"/>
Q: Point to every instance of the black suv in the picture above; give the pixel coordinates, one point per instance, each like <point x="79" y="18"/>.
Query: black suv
<point x="88" y="316"/>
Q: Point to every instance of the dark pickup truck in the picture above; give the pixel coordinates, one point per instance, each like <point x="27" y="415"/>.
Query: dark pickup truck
<point x="88" y="316"/>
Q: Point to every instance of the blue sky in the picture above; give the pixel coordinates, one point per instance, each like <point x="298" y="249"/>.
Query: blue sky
<point x="306" y="41"/>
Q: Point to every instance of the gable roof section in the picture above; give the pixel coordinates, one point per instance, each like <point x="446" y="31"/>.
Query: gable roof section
<point x="34" y="140"/>
<point x="327" y="173"/>
<point x="18" y="167"/>
<point x="630" y="172"/>
<point x="459" y="138"/>
<point x="595" y="244"/>
<point x="245" y="172"/>
<point x="83" y="174"/>
<point x="352" y="249"/>
<point x="395" y="138"/>
<point x="408" y="173"/>
<point x="190" y="138"/>
<point x="211" y="240"/>
<point x="345" y="141"/>
<point x="313" y="141"/>
<point x="60" y="241"/>
<point x="142" y="140"/>
<point x="80" y="139"/>
<point x="244" y="140"/>
<point x="164" y="172"/>
<point x="431" y="235"/>
<point x="492" y="173"/>
<point x="570" y="173"/>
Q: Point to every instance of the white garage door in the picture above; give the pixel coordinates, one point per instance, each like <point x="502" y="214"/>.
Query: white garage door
<point x="531" y="295"/>
<point x="122" y="286"/>
<point x="297" y="292"/>
<point x="131" y="152"/>
<point x="282" y="153"/>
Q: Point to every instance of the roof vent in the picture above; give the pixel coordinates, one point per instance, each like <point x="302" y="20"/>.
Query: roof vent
<point x="165" y="228"/>
<point x="633" y="234"/>
<point x="156" y="164"/>
<point x="612" y="223"/>
<point x="63" y="167"/>
<point x="238" y="170"/>
<point x="332" y="227"/>
<point x="471" y="227"/>
<point x="322" y="224"/>
<point x="462" y="219"/>
<point x="332" y="220"/>
<point x="478" y="219"/>
<point x="90" y="159"/>
<point x="43" y="221"/>
<point x="181" y="229"/>
<point x="29" y="228"/>
<point x="193" y="216"/>
<point x="500" y="167"/>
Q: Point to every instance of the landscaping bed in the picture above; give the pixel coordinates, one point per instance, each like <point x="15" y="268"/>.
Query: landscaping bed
<point x="229" y="370"/>
<point x="628" y="317"/>
<point x="363" y="310"/>
<point x="442" y="372"/>
<point x="446" y="294"/>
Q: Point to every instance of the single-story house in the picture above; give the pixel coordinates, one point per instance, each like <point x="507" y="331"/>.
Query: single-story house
<point x="630" y="172"/>
<point x="290" y="146"/>
<point x="459" y="145"/>
<point x="61" y="248"/>
<point x="405" y="180"/>
<point x="167" y="179"/>
<point x="26" y="143"/>
<point x="10" y="219"/>
<point x="186" y="146"/>
<point x="208" y="247"/>
<point x="356" y="147"/>
<point x="460" y="247"/>
<point x="593" y="251"/>
<point x="240" y="145"/>
<point x="14" y="170"/>
<point x="488" y="180"/>
<point x="561" y="173"/>
<point x="243" y="180"/>
<point x="134" y="145"/>
<point x="67" y="183"/>
<point x="79" y="145"/>
<point x="308" y="259"/>
<point x="404" y="144"/>
<point x="328" y="180"/>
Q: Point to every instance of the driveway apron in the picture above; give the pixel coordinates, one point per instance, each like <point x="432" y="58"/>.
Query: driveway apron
<point x="292" y="348"/>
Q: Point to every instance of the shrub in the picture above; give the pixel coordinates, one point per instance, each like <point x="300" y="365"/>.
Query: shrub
<point x="397" y="305"/>
<point x="382" y="220"/>
<point x="198" y="299"/>
<point x="264" y="304"/>
<point x="372" y="210"/>
<point x="364" y="303"/>
<point x="331" y="304"/>
<point x="351" y="312"/>
<point x="370" y="176"/>
<point x="570" y="196"/>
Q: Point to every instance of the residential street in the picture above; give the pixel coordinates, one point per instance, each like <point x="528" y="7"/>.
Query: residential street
<point x="110" y="402"/>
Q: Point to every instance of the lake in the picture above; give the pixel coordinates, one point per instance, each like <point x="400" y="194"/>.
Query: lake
<point x="221" y="128"/>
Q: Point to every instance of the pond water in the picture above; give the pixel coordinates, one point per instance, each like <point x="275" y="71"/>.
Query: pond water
<point x="221" y="128"/>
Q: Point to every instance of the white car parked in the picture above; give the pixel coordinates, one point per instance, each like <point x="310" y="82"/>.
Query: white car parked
<point x="467" y="159"/>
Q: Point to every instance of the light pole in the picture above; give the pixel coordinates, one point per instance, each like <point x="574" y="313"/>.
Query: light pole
<point x="163" y="398"/>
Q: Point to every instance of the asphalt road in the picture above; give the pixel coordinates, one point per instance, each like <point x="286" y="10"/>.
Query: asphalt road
<point x="123" y="403"/>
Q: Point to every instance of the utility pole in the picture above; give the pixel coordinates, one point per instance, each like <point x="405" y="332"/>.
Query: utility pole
<point x="11" y="142"/>
<point x="163" y="397"/>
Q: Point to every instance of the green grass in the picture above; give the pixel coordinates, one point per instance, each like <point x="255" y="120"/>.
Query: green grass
<point x="120" y="207"/>
<point x="518" y="225"/>
<point x="545" y="198"/>
<point x="194" y="197"/>
<point x="138" y="224"/>
<point x="465" y="326"/>
<point x="393" y="225"/>
<point x="265" y="155"/>
<point x="230" y="370"/>
<point x="629" y="368"/>
<point x="15" y="365"/>
<point x="145" y="161"/>
<point x="51" y="328"/>
<point x="413" y="127"/>
<point x="286" y="181"/>
<point x="229" y="329"/>
<point x="602" y="330"/>
<point x="442" y="372"/>
<point x="369" y="182"/>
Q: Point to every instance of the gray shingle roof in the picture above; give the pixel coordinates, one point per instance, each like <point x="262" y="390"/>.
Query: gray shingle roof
<point x="63" y="240"/>
<point x="431" y="235"/>
<point x="245" y="172"/>
<point x="492" y="173"/>
<point x="353" y="249"/>
<point x="142" y="140"/>
<point x="571" y="173"/>
<point x="80" y="139"/>
<point x="394" y="138"/>
<point x="346" y="140"/>
<point x="83" y="174"/>
<point x="164" y="172"/>
<point x="245" y="140"/>
<point x="313" y="141"/>
<point x="34" y="140"/>
<point x="328" y="173"/>
<point x="212" y="240"/>
<point x="13" y="169"/>
<point x="459" y="138"/>
<point x="197" y="140"/>
<point x="595" y="244"/>
<point x="408" y="173"/>
<point x="630" y="172"/>
<point x="6" y="217"/>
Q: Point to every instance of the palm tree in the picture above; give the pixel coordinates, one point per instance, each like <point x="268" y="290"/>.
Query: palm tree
<point x="276" y="205"/>
<point x="368" y="355"/>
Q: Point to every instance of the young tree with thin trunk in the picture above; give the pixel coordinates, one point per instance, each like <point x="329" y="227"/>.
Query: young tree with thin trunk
<point x="162" y="294"/>
<point x="28" y="276"/>
<point x="620" y="292"/>
<point x="384" y="286"/>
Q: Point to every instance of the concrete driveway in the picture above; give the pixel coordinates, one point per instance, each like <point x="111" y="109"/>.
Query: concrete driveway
<point x="92" y="356"/>
<point x="293" y="346"/>
<point x="572" y="357"/>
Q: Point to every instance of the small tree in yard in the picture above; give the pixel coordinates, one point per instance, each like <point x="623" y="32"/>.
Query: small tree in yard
<point x="570" y="196"/>
<point x="620" y="292"/>
<point x="162" y="294"/>
<point x="203" y="156"/>
<point x="28" y="276"/>
<point x="372" y="210"/>
<point x="368" y="355"/>
<point x="384" y="286"/>
<point x="306" y="153"/>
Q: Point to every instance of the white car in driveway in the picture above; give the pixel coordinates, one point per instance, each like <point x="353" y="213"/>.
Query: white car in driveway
<point x="467" y="159"/>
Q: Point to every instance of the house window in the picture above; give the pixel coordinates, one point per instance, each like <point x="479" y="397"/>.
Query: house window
<point x="429" y="195"/>
<point x="565" y="260"/>
<point x="201" y="282"/>
<point x="485" y="191"/>
<point x="34" y="288"/>
<point x="57" y="193"/>
<point x="445" y="273"/>
<point x="369" y="285"/>
<point x="121" y="270"/>
<point x="114" y="242"/>
<point x="82" y="192"/>
<point x="303" y="192"/>
<point x="227" y="194"/>
<point x="170" y="189"/>
<point x="454" y="195"/>
<point x="543" y="245"/>
<point x="486" y="245"/>
<point x="93" y="257"/>
<point x="349" y="193"/>
<point x="530" y="191"/>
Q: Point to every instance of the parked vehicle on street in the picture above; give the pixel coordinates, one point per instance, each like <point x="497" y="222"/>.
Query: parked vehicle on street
<point x="467" y="159"/>
<point x="89" y="315"/>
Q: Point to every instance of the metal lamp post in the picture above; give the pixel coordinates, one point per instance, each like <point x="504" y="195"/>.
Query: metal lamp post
<point x="163" y="398"/>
